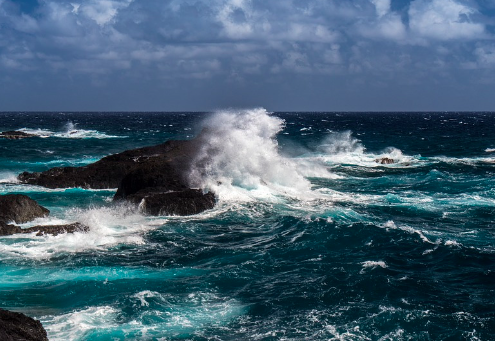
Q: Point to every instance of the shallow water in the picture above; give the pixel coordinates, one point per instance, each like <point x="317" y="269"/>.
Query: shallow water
<point x="311" y="237"/>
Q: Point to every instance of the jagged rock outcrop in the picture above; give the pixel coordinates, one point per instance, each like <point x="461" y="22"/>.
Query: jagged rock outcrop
<point x="19" y="327"/>
<point x="7" y="230"/>
<point x="15" y="135"/>
<point x="385" y="161"/>
<point x="155" y="178"/>
<point x="20" y="209"/>
<point x="110" y="170"/>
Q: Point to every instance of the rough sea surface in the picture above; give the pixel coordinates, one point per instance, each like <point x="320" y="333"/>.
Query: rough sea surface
<point x="311" y="238"/>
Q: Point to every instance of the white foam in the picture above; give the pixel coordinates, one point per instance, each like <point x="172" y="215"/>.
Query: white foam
<point x="171" y="315"/>
<point x="490" y="150"/>
<point x="240" y="159"/>
<point x="70" y="131"/>
<point x="374" y="264"/>
<point x="391" y="225"/>
<point x="74" y="325"/>
<point x="108" y="227"/>
<point x="342" y="148"/>
<point x="8" y="178"/>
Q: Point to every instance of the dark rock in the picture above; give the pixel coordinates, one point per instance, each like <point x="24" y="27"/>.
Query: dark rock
<point x="159" y="176"/>
<point x="109" y="171"/>
<point x="186" y="202"/>
<point x="20" y="208"/>
<point x="15" y="135"/>
<point x="7" y="230"/>
<point x="385" y="161"/>
<point x="156" y="178"/>
<point x="19" y="327"/>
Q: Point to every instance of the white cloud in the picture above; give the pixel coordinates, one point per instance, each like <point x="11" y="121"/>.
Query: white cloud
<point x="389" y="27"/>
<point x="485" y="55"/>
<point x="236" y="27"/>
<point x="382" y="7"/>
<point x="443" y="20"/>
<point x="101" y="11"/>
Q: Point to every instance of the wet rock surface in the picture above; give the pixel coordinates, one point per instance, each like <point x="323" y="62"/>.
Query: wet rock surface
<point x="110" y="170"/>
<point x="8" y="229"/>
<point x="15" y="135"/>
<point x="155" y="177"/>
<point x="20" y="209"/>
<point x="385" y="161"/>
<point x="186" y="202"/>
<point x="19" y="327"/>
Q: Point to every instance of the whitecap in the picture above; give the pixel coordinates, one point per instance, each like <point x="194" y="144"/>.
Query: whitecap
<point x="107" y="227"/>
<point x="374" y="264"/>
<point x="172" y="315"/>
<point x="70" y="131"/>
<point x="240" y="160"/>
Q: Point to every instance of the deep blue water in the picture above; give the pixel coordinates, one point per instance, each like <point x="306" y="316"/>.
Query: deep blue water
<point x="311" y="238"/>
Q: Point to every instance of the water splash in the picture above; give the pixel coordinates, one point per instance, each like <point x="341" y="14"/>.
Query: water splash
<point x="240" y="157"/>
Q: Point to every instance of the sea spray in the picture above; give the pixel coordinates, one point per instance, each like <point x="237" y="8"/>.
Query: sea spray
<point x="240" y="155"/>
<point x="398" y="251"/>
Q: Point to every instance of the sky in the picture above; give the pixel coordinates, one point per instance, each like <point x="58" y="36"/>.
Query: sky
<point x="283" y="55"/>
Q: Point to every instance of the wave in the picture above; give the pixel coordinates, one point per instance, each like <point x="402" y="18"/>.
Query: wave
<point x="155" y="315"/>
<point x="70" y="131"/>
<point x="240" y="158"/>
<point x="342" y="148"/>
<point x="108" y="227"/>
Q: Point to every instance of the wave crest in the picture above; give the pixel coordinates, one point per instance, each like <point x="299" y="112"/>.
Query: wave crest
<point x="240" y="150"/>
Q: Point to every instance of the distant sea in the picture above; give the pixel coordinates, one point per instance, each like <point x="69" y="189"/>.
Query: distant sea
<point x="312" y="237"/>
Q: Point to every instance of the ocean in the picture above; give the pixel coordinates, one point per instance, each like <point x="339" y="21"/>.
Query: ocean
<point x="311" y="237"/>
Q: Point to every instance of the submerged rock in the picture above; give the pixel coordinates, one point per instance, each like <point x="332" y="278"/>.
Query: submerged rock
<point x="20" y="209"/>
<point x="385" y="161"/>
<point x="19" y="327"/>
<point x="15" y="135"/>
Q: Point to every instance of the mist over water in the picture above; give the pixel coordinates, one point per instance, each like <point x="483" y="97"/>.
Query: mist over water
<point x="311" y="238"/>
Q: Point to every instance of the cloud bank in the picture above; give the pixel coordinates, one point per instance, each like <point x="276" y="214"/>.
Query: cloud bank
<point x="199" y="55"/>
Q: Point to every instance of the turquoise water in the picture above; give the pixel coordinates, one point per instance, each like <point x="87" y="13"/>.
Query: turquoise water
<point x="311" y="238"/>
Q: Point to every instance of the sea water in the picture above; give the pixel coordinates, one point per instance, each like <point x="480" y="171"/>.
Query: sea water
<point x="311" y="237"/>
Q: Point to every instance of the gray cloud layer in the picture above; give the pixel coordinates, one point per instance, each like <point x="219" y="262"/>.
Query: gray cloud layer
<point x="285" y="55"/>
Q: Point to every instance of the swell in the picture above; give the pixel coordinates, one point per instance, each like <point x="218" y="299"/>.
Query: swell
<point x="322" y="243"/>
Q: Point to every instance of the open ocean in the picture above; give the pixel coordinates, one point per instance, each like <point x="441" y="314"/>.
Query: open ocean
<point x="311" y="238"/>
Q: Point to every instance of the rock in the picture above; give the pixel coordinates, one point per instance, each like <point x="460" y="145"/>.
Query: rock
<point x="15" y="135"/>
<point x="186" y="202"/>
<point x="156" y="178"/>
<point x="109" y="171"/>
<point x="20" y="208"/>
<point x="385" y="161"/>
<point x="7" y="230"/>
<point x="19" y="327"/>
<point x="162" y="177"/>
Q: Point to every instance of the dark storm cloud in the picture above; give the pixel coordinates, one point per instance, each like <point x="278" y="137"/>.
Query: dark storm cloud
<point x="287" y="55"/>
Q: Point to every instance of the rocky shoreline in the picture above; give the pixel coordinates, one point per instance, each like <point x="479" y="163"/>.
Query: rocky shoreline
<point x="154" y="179"/>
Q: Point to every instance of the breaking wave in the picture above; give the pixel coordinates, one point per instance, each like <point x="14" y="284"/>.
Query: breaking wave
<point x="70" y="131"/>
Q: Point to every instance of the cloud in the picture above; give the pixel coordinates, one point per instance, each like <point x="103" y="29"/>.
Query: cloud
<point x="382" y="7"/>
<point x="444" y="20"/>
<point x="101" y="11"/>
<point x="485" y="55"/>
<point x="241" y="41"/>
